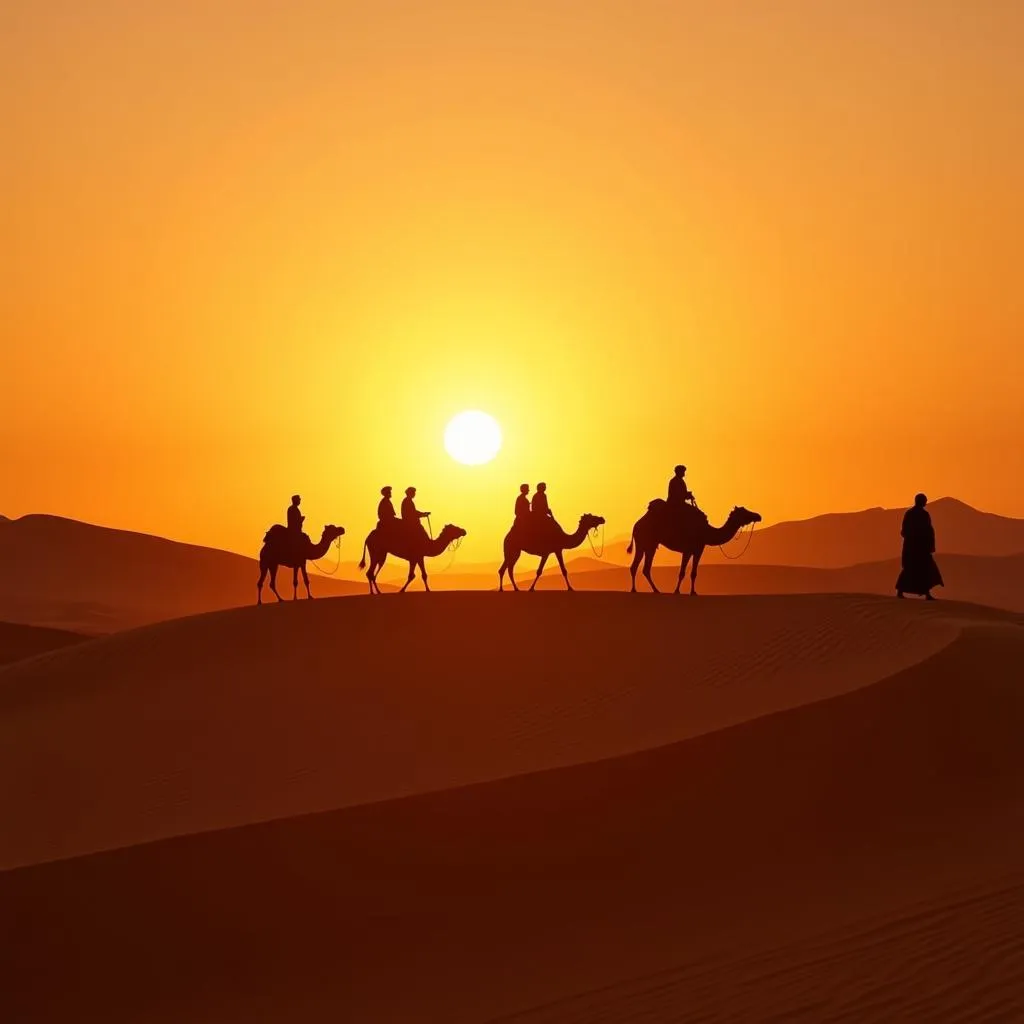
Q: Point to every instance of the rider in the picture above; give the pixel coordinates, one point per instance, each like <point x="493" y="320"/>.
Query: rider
<point x="522" y="504"/>
<point x="411" y="516"/>
<point x="678" y="493"/>
<point x="295" y="517"/>
<point x="539" y="506"/>
<point x="385" y="510"/>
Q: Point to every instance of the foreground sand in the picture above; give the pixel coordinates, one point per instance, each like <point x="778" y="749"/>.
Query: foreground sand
<point x="660" y="810"/>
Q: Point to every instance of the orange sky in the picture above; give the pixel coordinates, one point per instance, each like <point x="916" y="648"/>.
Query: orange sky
<point x="255" y="247"/>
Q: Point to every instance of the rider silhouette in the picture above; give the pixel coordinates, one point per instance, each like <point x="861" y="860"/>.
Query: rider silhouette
<point x="522" y="503"/>
<point x="540" y="506"/>
<point x="385" y="510"/>
<point x="678" y="493"/>
<point x="411" y="516"/>
<point x="295" y="517"/>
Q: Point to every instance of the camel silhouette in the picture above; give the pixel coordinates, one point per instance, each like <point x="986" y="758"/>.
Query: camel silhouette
<point x="280" y="548"/>
<point x="543" y="539"/>
<point x="686" y="531"/>
<point x="412" y="545"/>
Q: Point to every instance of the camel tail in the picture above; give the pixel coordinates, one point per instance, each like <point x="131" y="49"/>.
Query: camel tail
<point x="362" y="561"/>
<point x="629" y="550"/>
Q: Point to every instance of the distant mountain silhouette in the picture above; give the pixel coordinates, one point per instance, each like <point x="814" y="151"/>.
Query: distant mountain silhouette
<point x="840" y="539"/>
<point x="19" y="641"/>
<point x="72" y="575"/>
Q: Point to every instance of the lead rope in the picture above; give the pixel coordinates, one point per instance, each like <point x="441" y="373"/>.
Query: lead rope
<point x="750" y="537"/>
<point x="455" y="545"/>
<point x="337" y="565"/>
<point x="591" y="534"/>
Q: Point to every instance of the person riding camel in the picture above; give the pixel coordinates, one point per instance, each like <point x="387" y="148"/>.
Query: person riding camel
<point x="385" y="510"/>
<point x="411" y="516"/>
<point x="522" y="504"/>
<point x="540" y="506"/>
<point x="541" y="516"/>
<point x="678" y="493"/>
<point x="295" y="520"/>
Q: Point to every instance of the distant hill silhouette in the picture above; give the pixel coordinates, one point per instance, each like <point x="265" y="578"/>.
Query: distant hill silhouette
<point x="19" y="641"/>
<point x="63" y="573"/>
<point x="849" y="538"/>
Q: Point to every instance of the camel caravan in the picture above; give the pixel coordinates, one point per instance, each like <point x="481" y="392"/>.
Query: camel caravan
<point x="674" y="522"/>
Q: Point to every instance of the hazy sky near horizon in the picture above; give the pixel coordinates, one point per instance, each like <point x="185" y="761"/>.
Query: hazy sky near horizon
<point x="257" y="246"/>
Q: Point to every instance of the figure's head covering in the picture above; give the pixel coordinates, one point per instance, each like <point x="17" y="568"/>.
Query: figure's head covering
<point x="920" y="500"/>
<point x="295" y="499"/>
<point x="680" y="470"/>
<point x="542" y="487"/>
<point x="524" y="488"/>
<point x="410" y="491"/>
<point x="386" y="491"/>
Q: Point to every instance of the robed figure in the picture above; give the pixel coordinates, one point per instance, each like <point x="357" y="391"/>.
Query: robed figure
<point x="919" y="572"/>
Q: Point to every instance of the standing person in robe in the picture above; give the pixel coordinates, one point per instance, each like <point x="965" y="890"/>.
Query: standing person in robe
<point x="919" y="572"/>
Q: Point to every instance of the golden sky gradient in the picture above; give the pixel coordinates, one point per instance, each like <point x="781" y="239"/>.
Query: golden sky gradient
<point x="256" y="247"/>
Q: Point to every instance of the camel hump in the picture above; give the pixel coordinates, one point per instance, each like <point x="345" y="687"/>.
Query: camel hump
<point x="655" y="504"/>
<point x="276" y="533"/>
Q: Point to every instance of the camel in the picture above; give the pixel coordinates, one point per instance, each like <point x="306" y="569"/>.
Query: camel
<point x="552" y="540"/>
<point x="279" y="549"/>
<point x="688" y="533"/>
<point x="404" y="542"/>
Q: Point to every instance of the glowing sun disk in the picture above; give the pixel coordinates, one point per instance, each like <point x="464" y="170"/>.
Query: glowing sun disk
<point x="472" y="438"/>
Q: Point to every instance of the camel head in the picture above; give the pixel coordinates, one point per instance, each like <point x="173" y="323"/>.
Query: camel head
<point x="450" y="533"/>
<point x="332" y="532"/>
<point x="590" y="522"/>
<point x="743" y="516"/>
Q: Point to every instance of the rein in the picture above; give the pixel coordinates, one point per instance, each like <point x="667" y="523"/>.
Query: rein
<point x="336" y="543"/>
<point x="750" y="537"/>
<point x="590" y="538"/>
<point x="455" y="545"/>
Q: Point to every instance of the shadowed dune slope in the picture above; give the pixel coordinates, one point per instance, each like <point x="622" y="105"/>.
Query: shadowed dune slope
<point x="63" y="573"/>
<point x="18" y="641"/>
<point x="998" y="582"/>
<point x="258" y="713"/>
<point x="859" y="858"/>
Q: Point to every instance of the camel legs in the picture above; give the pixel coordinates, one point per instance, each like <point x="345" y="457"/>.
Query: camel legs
<point x="273" y="582"/>
<point x="412" y="576"/>
<point x="682" y="572"/>
<point x="693" y="571"/>
<point x="305" y="579"/>
<point x="561" y="565"/>
<point x="373" y="571"/>
<point x="637" y="559"/>
<point x="423" y="575"/>
<point x="509" y="566"/>
<point x="648" y="562"/>
<point x="263" y="576"/>
<point x="540" y="569"/>
<point x="295" y="583"/>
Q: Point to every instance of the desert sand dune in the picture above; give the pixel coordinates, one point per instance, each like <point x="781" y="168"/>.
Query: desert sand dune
<point x="70" y="575"/>
<point x="18" y="641"/>
<point x="257" y="713"/>
<point x="856" y="858"/>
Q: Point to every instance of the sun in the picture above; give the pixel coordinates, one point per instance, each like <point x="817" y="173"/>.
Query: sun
<point x="472" y="438"/>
